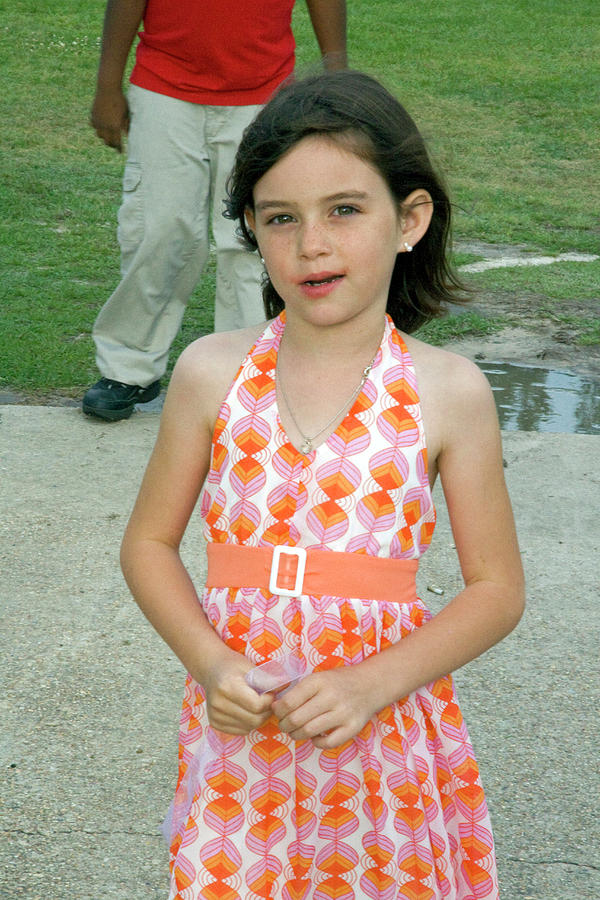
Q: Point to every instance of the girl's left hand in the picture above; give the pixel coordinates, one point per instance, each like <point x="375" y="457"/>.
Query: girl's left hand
<point x="328" y="707"/>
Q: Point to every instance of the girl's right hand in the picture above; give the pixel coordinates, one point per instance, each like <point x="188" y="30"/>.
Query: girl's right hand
<point x="232" y="705"/>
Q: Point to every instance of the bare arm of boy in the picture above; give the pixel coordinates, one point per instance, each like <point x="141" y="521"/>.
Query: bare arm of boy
<point x="328" y="18"/>
<point x="150" y="555"/>
<point x="110" y="113"/>
<point x="468" y="456"/>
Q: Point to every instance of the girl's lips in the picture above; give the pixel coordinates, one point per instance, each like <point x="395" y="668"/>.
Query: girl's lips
<point x="320" y="284"/>
<point x="321" y="276"/>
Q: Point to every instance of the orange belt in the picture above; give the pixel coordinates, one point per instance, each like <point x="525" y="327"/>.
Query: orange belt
<point x="292" y="571"/>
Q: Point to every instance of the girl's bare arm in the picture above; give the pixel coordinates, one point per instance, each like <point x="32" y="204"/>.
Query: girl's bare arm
<point x="150" y="555"/>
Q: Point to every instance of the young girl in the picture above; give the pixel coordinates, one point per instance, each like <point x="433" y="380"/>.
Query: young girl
<point x="321" y="434"/>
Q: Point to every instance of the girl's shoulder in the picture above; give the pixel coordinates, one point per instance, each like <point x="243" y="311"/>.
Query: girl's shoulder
<point x="221" y="350"/>
<point x="456" y="397"/>
<point x="445" y="373"/>
<point x="208" y="366"/>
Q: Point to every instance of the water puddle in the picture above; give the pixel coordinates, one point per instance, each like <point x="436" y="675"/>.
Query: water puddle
<point x="529" y="398"/>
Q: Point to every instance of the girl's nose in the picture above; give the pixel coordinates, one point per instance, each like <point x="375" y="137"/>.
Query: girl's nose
<point x="313" y="240"/>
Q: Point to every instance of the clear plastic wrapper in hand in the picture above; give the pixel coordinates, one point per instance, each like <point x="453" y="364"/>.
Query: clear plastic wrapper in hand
<point x="277" y="675"/>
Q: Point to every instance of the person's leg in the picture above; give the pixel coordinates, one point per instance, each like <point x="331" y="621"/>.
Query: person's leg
<point x="238" y="300"/>
<point x="163" y="235"/>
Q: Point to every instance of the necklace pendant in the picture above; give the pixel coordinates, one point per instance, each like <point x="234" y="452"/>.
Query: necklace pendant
<point x="306" y="446"/>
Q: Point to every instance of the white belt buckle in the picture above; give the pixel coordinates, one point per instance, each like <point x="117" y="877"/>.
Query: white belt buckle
<point x="300" y="553"/>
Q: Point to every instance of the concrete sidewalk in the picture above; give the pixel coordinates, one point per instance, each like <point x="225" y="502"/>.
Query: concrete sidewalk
<point x="90" y="696"/>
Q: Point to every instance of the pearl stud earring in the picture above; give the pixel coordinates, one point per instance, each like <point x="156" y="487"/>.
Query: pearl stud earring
<point x="407" y="247"/>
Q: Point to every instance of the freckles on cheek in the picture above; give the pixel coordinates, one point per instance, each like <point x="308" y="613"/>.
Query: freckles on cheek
<point x="277" y="252"/>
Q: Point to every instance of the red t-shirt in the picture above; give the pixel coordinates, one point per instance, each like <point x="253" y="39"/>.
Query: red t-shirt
<point x="215" y="52"/>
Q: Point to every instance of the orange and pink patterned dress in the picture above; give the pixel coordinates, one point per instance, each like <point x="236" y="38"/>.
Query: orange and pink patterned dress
<point x="399" y="811"/>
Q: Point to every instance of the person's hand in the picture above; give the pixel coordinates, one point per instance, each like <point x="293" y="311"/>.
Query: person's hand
<point x="328" y="707"/>
<point x="109" y="116"/>
<point x="232" y="705"/>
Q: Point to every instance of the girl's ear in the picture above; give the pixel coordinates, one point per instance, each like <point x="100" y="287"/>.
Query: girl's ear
<point x="415" y="216"/>
<point x="250" y="220"/>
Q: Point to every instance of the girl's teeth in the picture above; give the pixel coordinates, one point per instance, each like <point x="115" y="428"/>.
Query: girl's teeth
<point x="324" y="281"/>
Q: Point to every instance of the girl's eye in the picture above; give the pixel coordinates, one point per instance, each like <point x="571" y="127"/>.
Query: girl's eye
<point x="345" y="210"/>
<point x="280" y="219"/>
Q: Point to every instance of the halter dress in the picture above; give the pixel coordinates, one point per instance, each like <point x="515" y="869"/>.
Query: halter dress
<point x="397" y="812"/>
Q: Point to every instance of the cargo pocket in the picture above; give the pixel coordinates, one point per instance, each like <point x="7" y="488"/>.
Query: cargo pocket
<point x="130" y="228"/>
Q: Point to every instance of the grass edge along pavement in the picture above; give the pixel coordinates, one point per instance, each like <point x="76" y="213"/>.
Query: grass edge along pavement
<point x="508" y="105"/>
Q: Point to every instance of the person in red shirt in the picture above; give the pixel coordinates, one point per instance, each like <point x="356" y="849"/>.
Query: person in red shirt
<point x="203" y="69"/>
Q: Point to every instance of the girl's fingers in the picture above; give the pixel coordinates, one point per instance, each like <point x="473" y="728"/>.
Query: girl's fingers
<point x="314" y="727"/>
<point x="319" y="714"/>
<point x="328" y="708"/>
<point x="238" y="711"/>
<point x="237" y="721"/>
<point x="297" y="701"/>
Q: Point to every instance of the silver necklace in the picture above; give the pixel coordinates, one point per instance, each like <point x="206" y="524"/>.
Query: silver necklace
<point x="308" y="442"/>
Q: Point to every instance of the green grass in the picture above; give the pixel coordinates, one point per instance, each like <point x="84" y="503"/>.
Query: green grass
<point x="587" y="330"/>
<point x="560" y="280"/>
<point x="507" y="96"/>
<point x="468" y="324"/>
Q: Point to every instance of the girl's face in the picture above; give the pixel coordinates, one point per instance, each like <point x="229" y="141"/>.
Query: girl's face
<point x="329" y="230"/>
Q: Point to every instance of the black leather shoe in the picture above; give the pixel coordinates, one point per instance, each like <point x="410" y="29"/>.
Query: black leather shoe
<point x="112" y="400"/>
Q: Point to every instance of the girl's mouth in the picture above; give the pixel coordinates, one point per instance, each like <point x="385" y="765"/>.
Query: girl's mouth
<point x="321" y="285"/>
<point x="322" y="279"/>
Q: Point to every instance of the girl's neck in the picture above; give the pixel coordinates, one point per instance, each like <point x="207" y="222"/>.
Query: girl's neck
<point x="342" y="341"/>
<point x="320" y="372"/>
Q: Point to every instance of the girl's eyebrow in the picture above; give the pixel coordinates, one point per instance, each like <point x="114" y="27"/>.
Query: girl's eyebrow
<point x="347" y="195"/>
<point x="331" y="198"/>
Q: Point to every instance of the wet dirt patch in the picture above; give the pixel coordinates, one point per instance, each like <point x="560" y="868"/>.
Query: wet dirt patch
<point x="531" y="338"/>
